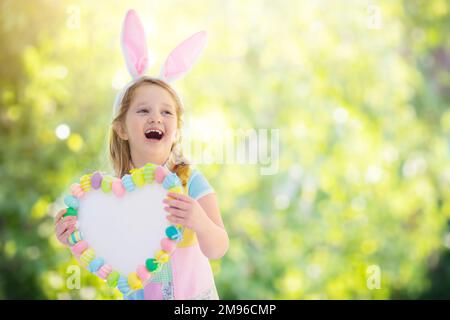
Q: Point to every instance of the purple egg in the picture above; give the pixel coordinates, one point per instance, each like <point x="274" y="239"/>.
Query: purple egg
<point x="96" y="180"/>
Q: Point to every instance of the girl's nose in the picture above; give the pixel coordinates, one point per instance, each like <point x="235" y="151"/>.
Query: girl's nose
<point x="151" y="120"/>
<point x="154" y="117"/>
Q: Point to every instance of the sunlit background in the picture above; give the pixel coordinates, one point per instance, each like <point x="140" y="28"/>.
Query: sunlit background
<point x="359" y="92"/>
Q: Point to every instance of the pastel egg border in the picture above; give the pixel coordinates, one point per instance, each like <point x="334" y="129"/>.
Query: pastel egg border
<point x="139" y="177"/>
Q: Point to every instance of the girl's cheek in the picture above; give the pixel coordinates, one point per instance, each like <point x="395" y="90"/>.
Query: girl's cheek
<point x="172" y="135"/>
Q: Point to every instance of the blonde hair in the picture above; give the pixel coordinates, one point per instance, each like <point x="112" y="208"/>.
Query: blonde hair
<point x="119" y="149"/>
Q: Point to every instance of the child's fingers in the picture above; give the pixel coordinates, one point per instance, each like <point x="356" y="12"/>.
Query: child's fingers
<point x="69" y="232"/>
<point x="64" y="240"/>
<point x="60" y="214"/>
<point x="175" y="211"/>
<point x="67" y="223"/>
<point x="177" y="204"/>
<point x="62" y="236"/>
<point x="60" y="230"/>
<point x="66" y="234"/>
<point x="70" y="221"/>
<point x="175" y="220"/>
<point x="179" y="196"/>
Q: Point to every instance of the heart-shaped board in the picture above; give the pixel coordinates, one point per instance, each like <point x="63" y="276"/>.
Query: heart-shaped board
<point x="122" y="233"/>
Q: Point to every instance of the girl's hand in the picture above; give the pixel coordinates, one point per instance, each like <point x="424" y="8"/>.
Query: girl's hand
<point x="64" y="226"/>
<point x="185" y="211"/>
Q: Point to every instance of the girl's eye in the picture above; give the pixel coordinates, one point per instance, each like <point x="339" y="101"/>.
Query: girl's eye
<point x="145" y="110"/>
<point x="167" y="112"/>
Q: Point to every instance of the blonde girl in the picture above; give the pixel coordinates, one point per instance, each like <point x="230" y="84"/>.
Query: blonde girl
<point x="146" y="127"/>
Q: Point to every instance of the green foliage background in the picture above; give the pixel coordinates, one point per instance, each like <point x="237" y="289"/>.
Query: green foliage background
<point x="362" y="108"/>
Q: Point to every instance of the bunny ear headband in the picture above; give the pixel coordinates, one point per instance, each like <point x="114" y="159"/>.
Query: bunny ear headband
<point x="134" y="48"/>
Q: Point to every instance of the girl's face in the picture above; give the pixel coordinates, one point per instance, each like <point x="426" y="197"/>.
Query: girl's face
<point x="150" y="125"/>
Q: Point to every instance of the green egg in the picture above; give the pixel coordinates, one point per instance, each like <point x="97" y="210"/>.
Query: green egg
<point x="106" y="185"/>
<point x="113" y="279"/>
<point x="71" y="212"/>
<point x="152" y="265"/>
<point x="149" y="172"/>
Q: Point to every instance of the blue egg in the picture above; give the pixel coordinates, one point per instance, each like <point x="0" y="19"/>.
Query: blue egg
<point x="123" y="286"/>
<point x="171" y="180"/>
<point x="71" y="201"/>
<point x="95" y="265"/>
<point x="75" y="237"/>
<point x="136" y="295"/>
<point x="173" y="233"/>
<point x="128" y="183"/>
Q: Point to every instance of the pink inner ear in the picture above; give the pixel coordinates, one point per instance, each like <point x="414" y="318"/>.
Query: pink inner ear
<point x="134" y="43"/>
<point x="181" y="59"/>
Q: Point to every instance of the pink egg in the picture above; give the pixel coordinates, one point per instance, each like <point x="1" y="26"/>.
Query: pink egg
<point x="104" y="271"/>
<point x="160" y="174"/>
<point x="118" y="188"/>
<point x="168" y="245"/>
<point x="143" y="273"/>
<point x="76" y="190"/>
<point x="79" y="247"/>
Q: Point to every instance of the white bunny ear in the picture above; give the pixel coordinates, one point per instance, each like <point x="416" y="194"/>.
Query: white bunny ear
<point x="134" y="46"/>
<point x="183" y="57"/>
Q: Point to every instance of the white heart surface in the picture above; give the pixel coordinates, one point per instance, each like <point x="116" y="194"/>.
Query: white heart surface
<point x="124" y="231"/>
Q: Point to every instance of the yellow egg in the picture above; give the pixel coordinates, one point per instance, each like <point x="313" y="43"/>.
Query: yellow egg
<point x="162" y="256"/>
<point x="86" y="257"/>
<point x="138" y="178"/>
<point x="134" y="282"/>
<point x="176" y="189"/>
<point x="85" y="182"/>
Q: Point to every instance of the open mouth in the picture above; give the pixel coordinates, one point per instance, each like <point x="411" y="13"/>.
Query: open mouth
<point x="154" y="134"/>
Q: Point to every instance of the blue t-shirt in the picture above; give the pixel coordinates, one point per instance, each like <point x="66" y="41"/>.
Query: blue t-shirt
<point x="198" y="186"/>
